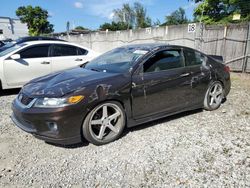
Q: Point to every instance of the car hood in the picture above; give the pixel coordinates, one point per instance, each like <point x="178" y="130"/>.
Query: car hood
<point x="63" y="83"/>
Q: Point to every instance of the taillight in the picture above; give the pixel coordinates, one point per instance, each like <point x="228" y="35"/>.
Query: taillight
<point x="226" y="68"/>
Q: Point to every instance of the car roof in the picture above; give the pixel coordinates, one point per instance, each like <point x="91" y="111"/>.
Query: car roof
<point x="49" y="42"/>
<point x="55" y="42"/>
<point x="153" y="46"/>
<point x="36" y="38"/>
<point x="145" y="46"/>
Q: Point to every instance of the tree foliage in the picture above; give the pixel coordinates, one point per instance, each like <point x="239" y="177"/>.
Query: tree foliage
<point x="115" y="26"/>
<point x="133" y="16"/>
<point x="80" y="28"/>
<point x="222" y="11"/>
<point x="125" y="15"/>
<point x="176" y="17"/>
<point x="36" y="19"/>
<point x="141" y="18"/>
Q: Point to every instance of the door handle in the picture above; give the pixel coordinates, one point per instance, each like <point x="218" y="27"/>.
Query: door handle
<point x="45" y="62"/>
<point x="78" y="59"/>
<point x="184" y="74"/>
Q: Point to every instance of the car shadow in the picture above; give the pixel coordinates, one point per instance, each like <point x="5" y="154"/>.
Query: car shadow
<point x="71" y="146"/>
<point x="132" y="129"/>
<point x="9" y="92"/>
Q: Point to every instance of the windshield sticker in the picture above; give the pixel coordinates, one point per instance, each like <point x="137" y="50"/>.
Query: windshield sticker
<point x="141" y="52"/>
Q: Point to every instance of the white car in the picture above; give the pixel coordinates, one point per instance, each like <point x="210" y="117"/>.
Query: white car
<point x="23" y="62"/>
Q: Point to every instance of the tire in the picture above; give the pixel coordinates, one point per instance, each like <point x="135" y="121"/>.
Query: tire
<point x="214" y="96"/>
<point x="104" y="123"/>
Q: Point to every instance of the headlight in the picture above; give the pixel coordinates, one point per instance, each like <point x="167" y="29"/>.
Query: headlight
<point x="57" y="102"/>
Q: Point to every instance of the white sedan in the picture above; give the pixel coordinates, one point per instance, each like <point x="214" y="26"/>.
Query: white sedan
<point x="23" y="62"/>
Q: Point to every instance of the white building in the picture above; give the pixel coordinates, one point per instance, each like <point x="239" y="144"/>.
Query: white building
<point x="12" y="28"/>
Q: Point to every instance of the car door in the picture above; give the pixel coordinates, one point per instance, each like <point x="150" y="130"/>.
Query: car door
<point x="199" y="75"/>
<point x="67" y="56"/>
<point x="34" y="62"/>
<point x="161" y="84"/>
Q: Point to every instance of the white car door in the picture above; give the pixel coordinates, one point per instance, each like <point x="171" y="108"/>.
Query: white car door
<point x="65" y="56"/>
<point x="34" y="62"/>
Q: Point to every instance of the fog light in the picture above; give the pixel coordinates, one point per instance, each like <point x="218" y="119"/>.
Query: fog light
<point x="52" y="126"/>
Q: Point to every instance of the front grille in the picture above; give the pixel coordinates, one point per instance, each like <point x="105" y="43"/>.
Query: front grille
<point x="24" y="99"/>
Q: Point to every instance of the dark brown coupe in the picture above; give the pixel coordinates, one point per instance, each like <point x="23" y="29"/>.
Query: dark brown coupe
<point x="127" y="86"/>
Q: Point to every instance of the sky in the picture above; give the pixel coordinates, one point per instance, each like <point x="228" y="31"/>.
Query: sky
<point x="92" y="13"/>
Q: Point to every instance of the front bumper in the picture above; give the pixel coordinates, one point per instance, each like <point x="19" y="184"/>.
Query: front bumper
<point x="57" y="125"/>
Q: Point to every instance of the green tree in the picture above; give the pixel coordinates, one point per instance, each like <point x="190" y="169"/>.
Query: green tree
<point x="81" y="28"/>
<point x="125" y="14"/>
<point x="36" y="19"/>
<point x="114" y="26"/>
<point x="157" y="22"/>
<point x="176" y="17"/>
<point x="141" y="18"/>
<point x="222" y="11"/>
<point x="134" y="16"/>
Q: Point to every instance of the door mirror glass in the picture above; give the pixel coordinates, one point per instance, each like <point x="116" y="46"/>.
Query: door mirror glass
<point x="15" y="56"/>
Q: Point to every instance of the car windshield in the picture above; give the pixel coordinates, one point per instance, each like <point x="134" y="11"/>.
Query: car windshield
<point x="119" y="60"/>
<point x="11" y="49"/>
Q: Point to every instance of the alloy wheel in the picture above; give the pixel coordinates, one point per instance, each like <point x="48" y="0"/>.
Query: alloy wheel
<point x="106" y="122"/>
<point x="215" y="95"/>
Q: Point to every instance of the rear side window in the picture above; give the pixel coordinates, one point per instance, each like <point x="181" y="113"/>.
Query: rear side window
<point x="193" y="58"/>
<point x="164" y="60"/>
<point x="64" y="50"/>
<point x="81" y="51"/>
<point x="35" y="52"/>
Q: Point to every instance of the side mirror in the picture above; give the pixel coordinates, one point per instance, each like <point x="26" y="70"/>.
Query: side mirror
<point x="15" y="56"/>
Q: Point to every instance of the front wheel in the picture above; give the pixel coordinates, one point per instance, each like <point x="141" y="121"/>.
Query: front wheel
<point x="214" y="96"/>
<point x="104" y="123"/>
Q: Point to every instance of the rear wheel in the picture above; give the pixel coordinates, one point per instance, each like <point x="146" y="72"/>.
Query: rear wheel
<point x="214" y="96"/>
<point x="104" y="123"/>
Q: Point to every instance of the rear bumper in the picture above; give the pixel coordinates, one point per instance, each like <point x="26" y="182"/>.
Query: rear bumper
<point x="227" y="84"/>
<point x="59" y="126"/>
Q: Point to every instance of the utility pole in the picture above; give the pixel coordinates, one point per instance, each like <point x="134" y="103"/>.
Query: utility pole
<point x="67" y="28"/>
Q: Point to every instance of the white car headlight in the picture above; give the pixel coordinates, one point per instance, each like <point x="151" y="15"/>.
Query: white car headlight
<point x="57" y="102"/>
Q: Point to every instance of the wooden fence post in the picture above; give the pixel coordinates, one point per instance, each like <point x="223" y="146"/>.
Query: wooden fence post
<point x="224" y="41"/>
<point x="202" y="27"/>
<point x="247" y="50"/>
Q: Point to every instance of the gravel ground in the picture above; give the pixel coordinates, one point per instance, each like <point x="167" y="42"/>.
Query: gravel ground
<point x="194" y="149"/>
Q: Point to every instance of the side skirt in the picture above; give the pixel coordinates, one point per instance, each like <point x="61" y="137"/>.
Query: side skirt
<point x="133" y="122"/>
